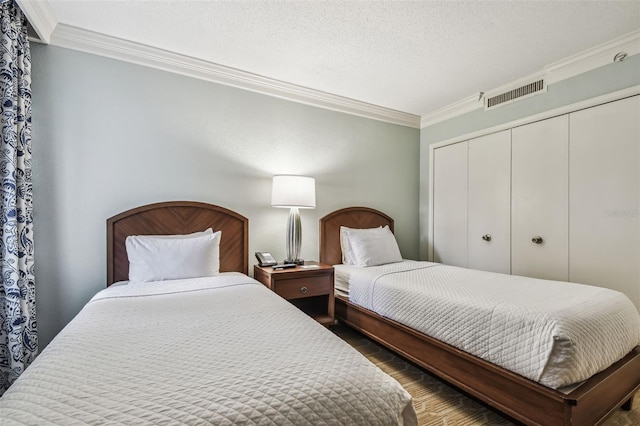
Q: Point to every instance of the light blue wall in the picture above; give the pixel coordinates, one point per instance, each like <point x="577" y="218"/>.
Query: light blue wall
<point x="109" y="136"/>
<point x="597" y="82"/>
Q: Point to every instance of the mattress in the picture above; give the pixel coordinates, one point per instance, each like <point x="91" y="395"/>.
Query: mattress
<point x="342" y="275"/>
<point x="555" y="333"/>
<point x="222" y="350"/>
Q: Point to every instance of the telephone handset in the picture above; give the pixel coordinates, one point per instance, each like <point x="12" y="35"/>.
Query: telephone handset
<point x="265" y="258"/>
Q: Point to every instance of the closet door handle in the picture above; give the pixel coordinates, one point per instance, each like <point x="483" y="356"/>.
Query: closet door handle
<point x="537" y="240"/>
<point x="486" y="237"/>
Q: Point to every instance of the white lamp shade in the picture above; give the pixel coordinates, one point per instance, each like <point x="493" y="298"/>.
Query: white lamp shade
<point x="293" y="191"/>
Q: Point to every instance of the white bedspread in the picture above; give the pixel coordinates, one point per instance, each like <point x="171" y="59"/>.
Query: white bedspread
<point x="555" y="333"/>
<point x="222" y="350"/>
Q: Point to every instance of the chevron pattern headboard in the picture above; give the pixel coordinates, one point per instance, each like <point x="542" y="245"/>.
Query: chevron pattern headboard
<point x="177" y="217"/>
<point x="352" y="217"/>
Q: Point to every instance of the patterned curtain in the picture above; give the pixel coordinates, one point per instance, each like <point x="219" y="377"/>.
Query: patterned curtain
<point x="18" y="338"/>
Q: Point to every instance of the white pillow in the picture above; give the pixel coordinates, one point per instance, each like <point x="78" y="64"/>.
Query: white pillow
<point x="374" y="248"/>
<point x="172" y="257"/>
<point x="347" y="253"/>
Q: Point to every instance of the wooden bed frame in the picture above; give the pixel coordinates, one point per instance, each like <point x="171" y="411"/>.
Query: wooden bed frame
<point x="517" y="397"/>
<point x="177" y="217"/>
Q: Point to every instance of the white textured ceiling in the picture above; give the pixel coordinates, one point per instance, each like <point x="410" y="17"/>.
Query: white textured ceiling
<point x="414" y="57"/>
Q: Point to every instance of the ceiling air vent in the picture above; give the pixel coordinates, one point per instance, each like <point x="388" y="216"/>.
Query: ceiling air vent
<point x="513" y="95"/>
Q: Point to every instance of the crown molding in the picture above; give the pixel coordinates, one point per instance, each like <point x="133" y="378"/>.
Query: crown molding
<point x="593" y="58"/>
<point x="99" y="44"/>
<point x="40" y="17"/>
<point x="463" y="106"/>
<point x="45" y="24"/>
<point x="570" y="67"/>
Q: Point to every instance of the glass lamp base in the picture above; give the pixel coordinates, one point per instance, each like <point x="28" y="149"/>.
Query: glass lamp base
<point x="294" y="237"/>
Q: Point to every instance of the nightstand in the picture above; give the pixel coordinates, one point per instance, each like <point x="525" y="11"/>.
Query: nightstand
<point x="309" y="287"/>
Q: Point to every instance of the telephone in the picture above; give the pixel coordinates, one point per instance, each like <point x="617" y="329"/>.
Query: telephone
<point x="265" y="258"/>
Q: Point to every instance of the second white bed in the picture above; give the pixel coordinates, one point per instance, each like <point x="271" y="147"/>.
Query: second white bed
<point x="555" y="333"/>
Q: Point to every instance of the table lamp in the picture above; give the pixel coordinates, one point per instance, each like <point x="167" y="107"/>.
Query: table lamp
<point x="293" y="192"/>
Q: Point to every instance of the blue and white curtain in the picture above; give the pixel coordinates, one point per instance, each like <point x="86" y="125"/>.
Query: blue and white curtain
<point x="18" y="338"/>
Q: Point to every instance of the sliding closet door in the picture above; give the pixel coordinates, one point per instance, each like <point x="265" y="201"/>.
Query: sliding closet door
<point x="605" y="197"/>
<point x="539" y="202"/>
<point x="450" y="204"/>
<point x="489" y="203"/>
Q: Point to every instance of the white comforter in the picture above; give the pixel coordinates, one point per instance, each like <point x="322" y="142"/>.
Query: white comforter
<point x="554" y="333"/>
<point x="221" y="351"/>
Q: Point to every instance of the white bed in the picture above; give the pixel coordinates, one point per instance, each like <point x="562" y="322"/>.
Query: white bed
<point x="221" y="350"/>
<point x="218" y="349"/>
<point x="476" y="330"/>
<point x="555" y="333"/>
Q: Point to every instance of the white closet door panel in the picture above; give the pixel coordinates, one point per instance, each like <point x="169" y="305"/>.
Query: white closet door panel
<point x="539" y="202"/>
<point x="450" y="205"/>
<point x="605" y="196"/>
<point x="489" y="203"/>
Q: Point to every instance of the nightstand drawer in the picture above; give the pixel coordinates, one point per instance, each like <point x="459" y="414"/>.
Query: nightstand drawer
<point x="304" y="287"/>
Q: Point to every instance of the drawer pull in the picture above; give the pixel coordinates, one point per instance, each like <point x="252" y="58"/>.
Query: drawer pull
<point x="486" y="237"/>
<point x="303" y="290"/>
<point x="537" y="240"/>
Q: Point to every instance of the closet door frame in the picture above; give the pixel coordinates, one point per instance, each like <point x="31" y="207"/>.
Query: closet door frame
<point x="610" y="97"/>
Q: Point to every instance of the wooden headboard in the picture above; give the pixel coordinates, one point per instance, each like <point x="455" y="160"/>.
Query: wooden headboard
<point x="352" y="217"/>
<point x="177" y="217"/>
